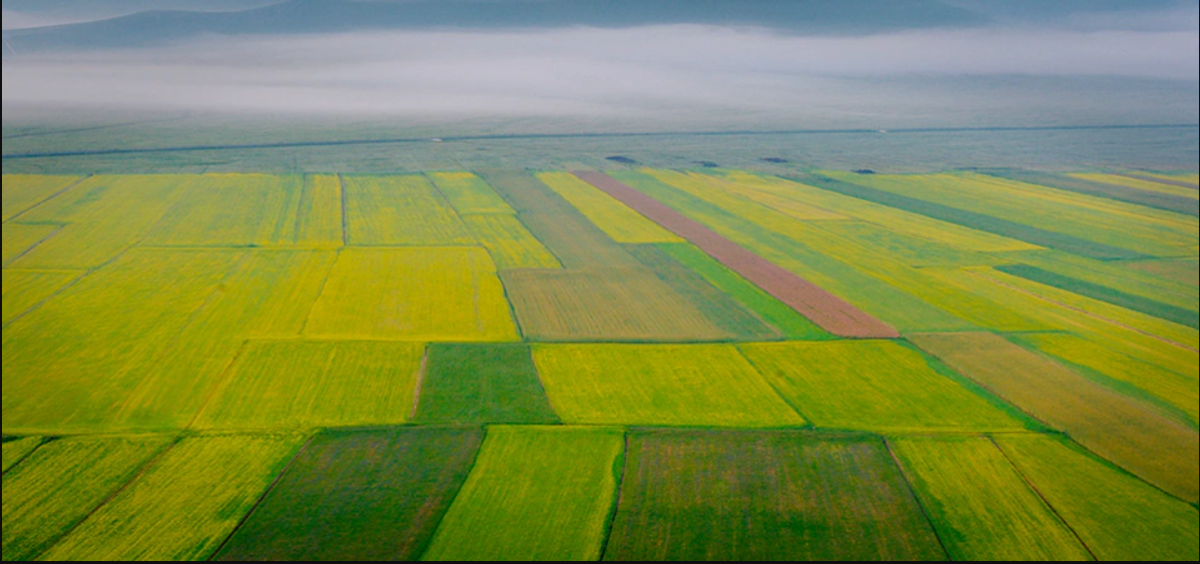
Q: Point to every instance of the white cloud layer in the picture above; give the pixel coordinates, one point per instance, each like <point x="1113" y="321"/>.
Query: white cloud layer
<point x="569" y="71"/>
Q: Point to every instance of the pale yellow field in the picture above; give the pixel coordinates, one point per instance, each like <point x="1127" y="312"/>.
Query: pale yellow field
<point x="1140" y="184"/>
<point x="400" y="211"/>
<point x="233" y="210"/>
<point x="23" y="192"/>
<point x="319" y="217"/>
<point x="726" y="181"/>
<point x="429" y="295"/>
<point x="613" y="217"/>
<point x="289" y="385"/>
<point x="511" y="245"/>
<point x="20" y="238"/>
<point x="26" y="289"/>
<point x="185" y="505"/>
<point x="469" y="194"/>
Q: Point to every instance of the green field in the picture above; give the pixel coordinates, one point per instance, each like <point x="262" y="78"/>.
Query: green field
<point x="465" y="356"/>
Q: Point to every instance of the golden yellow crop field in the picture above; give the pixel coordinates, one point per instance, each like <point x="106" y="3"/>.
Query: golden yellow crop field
<point x="20" y="238"/>
<point x="469" y="194"/>
<point x="319" y="216"/>
<point x="429" y="295"/>
<point x="232" y="210"/>
<point x="26" y="289"/>
<point x="400" y="211"/>
<point x="614" y="218"/>
<point x="23" y="192"/>
<point x="511" y="245"/>
<point x="743" y="185"/>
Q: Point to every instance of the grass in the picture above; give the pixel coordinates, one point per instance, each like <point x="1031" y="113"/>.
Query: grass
<point x="359" y="495"/>
<point x="1117" y="516"/>
<point x="722" y="310"/>
<point x="742" y="495"/>
<point x="1147" y="306"/>
<point x="24" y="192"/>
<point x="535" y="493"/>
<point x="482" y="384"/>
<point x="616" y="219"/>
<point x="469" y="194"/>
<point x="309" y="384"/>
<point x="604" y="305"/>
<point x="26" y="289"/>
<point x="431" y="294"/>
<point x="185" y="505"/>
<point x="20" y="238"/>
<point x="17" y="449"/>
<point x="510" y="244"/>
<point x="232" y="210"/>
<point x="980" y="505"/>
<point x="875" y="386"/>
<point x="784" y="319"/>
<point x="400" y="210"/>
<point x="1130" y="433"/>
<point x="62" y="483"/>
<point x="663" y="385"/>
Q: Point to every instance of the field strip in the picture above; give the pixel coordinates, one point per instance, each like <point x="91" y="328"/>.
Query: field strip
<point x="56" y="194"/>
<point x="616" y="504"/>
<point x="1082" y="311"/>
<point x="887" y="444"/>
<point x="830" y="312"/>
<point x="1159" y="180"/>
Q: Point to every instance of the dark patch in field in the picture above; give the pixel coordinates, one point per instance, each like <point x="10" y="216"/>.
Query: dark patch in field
<point x="622" y="160"/>
<point x="359" y="495"/>
<point x="483" y="383"/>
<point x="1105" y="294"/>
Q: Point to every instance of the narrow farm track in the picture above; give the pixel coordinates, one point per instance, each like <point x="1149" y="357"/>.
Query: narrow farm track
<point x="826" y="310"/>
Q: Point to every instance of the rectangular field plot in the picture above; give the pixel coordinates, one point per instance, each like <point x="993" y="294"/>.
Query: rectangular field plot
<point x="604" y="305"/>
<point x="510" y="244"/>
<point x="667" y="385"/>
<point x="1117" y="517"/>
<point x="20" y="238"/>
<point x="26" y="289"/>
<point x="23" y="192"/>
<point x="469" y="194"/>
<point x="981" y="507"/>
<point x="101" y="217"/>
<point x="473" y="383"/>
<point x="426" y="295"/>
<point x="614" y="218"/>
<point x="400" y="211"/>
<point x="359" y="495"/>
<point x="62" y="483"/>
<point x="17" y="449"/>
<point x="1130" y="433"/>
<point x="319" y="217"/>
<point x="784" y="319"/>
<point x="308" y="384"/>
<point x="224" y="210"/>
<point x="535" y="493"/>
<point x="185" y="505"/>
<point x="714" y="496"/>
<point x="874" y="386"/>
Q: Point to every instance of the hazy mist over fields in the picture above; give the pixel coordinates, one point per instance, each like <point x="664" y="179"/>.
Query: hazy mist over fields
<point x="862" y="63"/>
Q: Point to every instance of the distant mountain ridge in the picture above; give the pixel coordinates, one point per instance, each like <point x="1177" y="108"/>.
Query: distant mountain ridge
<point x="155" y="28"/>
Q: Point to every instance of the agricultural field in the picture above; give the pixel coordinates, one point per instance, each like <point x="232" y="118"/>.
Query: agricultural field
<point x="600" y="361"/>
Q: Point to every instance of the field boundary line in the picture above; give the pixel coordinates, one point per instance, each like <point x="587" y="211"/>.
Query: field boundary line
<point x="611" y="522"/>
<point x="58" y="227"/>
<point x="809" y="423"/>
<point x="261" y="498"/>
<point x="913" y="492"/>
<point x="141" y="471"/>
<point x="59" y="292"/>
<point x="422" y="372"/>
<point x="1084" y="312"/>
<point x="50" y="197"/>
<point x="345" y="212"/>
<point x="222" y="382"/>
<point x="320" y="294"/>
<point x="27" y="455"/>
<point x="483" y="430"/>
<point x="1045" y="501"/>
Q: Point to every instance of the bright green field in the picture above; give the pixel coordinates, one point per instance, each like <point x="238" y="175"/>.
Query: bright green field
<point x="502" y="360"/>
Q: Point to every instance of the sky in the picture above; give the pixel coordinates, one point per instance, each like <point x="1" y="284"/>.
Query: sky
<point x="1080" y="63"/>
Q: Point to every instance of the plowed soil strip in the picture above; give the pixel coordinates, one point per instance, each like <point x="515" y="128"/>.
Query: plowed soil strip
<point x="830" y="312"/>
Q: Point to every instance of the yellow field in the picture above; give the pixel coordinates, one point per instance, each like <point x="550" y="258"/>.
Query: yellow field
<point x="1127" y="432"/>
<point x="15" y="451"/>
<point x="726" y="181"/>
<point x="233" y="210"/>
<point x="875" y="386"/>
<point x="104" y="215"/>
<point x="319" y="218"/>
<point x="428" y="295"/>
<point x="1140" y="184"/>
<point x="184" y="506"/>
<point x="19" y="238"/>
<point x="898" y="221"/>
<point x="1118" y="276"/>
<point x="980" y="505"/>
<point x="23" y="192"/>
<point x="604" y="305"/>
<point x="469" y="194"/>
<point x="613" y="217"/>
<point x="400" y="211"/>
<point x="25" y="289"/>
<point x="1182" y="391"/>
<point x="667" y="385"/>
<point x="511" y="245"/>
